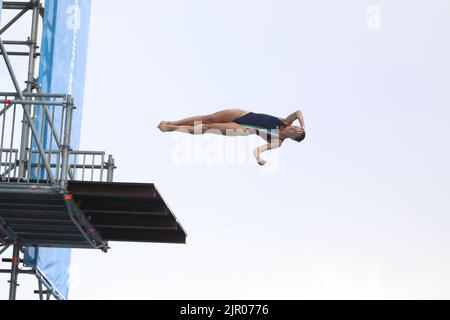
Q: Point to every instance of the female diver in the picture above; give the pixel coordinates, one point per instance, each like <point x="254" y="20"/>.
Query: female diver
<point x="238" y="122"/>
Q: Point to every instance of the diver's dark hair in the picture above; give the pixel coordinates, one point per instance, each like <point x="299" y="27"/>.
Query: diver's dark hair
<point x="301" y="137"/>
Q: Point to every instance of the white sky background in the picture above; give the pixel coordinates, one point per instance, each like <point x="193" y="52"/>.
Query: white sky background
<point x="359" y="210"/>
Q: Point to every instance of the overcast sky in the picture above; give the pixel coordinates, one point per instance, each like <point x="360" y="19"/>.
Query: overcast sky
<point x="359" y="210"/>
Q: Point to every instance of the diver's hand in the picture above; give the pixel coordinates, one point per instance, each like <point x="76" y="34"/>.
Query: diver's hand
<point x="257" y="153"/>
<point x="252" y="131"/>
<point x="261" y="161"/>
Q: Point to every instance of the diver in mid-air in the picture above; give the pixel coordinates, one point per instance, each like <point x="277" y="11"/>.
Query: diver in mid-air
<point x="238" y="122"/>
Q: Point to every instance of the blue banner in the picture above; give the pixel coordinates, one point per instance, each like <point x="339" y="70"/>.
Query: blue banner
<point x="1" y="7"/>
<point x="64" y="52"/>
<point x="62" y="70"/>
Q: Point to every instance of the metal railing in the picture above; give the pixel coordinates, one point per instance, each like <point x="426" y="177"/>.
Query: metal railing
<point x="87" y="165"/>
<point x="38" y="148"/>
<point x="8" y="160"/>
<point x="92" y="166"/>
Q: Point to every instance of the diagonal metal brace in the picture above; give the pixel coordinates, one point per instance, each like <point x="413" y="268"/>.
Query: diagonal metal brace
<point x="84" y="225"/>
<point x="6" y="231"/>
<point x="27" y="114"/>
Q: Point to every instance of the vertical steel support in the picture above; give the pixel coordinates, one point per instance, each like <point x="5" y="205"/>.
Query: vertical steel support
<point x="14" y="272"/>
<point x="66" y="143"/>
<point x="30" y="80"/>
<point x="41" y="293"/>
<point x="110" y="167"/>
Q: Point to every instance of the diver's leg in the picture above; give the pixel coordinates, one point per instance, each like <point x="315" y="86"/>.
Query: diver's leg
<point x="224" y="116"/>
<point x="229" y="129"/>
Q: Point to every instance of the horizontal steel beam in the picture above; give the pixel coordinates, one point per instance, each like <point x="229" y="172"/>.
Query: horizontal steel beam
<point x="17" y="43"/>
<point x="37" y="221"/>
<point x="98" y="196"/>
<point x="55" y="243"/>
<point x="144" y="235"/>
<point x="38" y="102"/>
<point x="6" y="164"/>
<point x="124" y="221"/>
<point x="119" y="189"/>
<point x="74" y="152"/>
<point x="113" y="212"/>
<point x="78" y="166"/>
<point x="122" y="207"/>
<point x="28" y="186"/>
<point x="30" y="214"/>
<point x="31" y="194"/>
<point x="19" y="54"/>
<point x="35" y="95"/>
<point x="30" y="208"/>
<point x="48" y="234"/>
<point x="7" y="271"/>
<point x="19" y="5"/>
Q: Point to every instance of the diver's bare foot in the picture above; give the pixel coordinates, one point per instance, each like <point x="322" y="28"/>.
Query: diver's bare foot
<point x="167" y="128"/>
<point x="162" y="125"/>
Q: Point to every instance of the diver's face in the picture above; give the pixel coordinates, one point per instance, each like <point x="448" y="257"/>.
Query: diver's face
<point x="294" y="131"/>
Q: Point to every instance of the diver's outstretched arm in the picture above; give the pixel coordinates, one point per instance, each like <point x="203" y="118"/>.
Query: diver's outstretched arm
<point x="271" y="146"/>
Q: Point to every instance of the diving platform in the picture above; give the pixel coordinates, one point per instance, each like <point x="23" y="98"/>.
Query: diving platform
<point x="86" y="215"/>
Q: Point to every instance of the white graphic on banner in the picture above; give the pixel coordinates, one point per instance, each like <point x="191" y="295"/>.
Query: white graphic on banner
<point x="374" y="18"/>
<point x="73" y="23"/>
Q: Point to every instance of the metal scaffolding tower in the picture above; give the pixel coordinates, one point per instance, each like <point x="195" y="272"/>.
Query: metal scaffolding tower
<point x="51" y="195"/>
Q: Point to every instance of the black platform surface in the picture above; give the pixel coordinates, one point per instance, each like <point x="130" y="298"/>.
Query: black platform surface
<point x="128" y="212"/>
<point x="86" y="215"/>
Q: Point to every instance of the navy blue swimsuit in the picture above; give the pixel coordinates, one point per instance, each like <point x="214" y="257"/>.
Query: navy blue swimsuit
<point x="261" y="121"/>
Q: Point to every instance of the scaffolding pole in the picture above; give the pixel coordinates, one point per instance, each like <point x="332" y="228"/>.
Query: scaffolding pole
<point x="14" y="272"/>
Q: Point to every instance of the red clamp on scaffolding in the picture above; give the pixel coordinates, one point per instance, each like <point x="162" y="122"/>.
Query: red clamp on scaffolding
<point x="15" y="261"/>
<point x="6" y="102"/>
